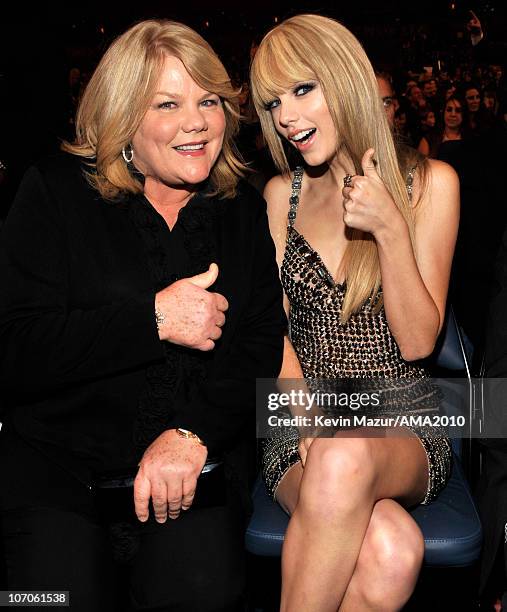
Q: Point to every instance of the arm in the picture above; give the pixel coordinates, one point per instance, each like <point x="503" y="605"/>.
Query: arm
<point x="59" y="343"/>
<point x="424" y="147"/>
<point x="40" y="333"/>
<point x="221" y="408"/>
<point x="414" y="284"/>
<point x="276" y="194"/>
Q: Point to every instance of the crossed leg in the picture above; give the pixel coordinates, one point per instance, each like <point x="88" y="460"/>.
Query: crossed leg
<point x="350" y="544"/>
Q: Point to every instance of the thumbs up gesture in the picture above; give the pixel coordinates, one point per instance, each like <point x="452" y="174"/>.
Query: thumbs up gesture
<point x="367" y="205"/>
<point x="190" y="315"/>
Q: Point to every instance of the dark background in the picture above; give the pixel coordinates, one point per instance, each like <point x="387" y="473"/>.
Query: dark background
<point x="39" y="45"/>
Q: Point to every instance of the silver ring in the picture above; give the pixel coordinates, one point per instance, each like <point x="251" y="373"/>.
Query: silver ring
<point x="347" y="181"/>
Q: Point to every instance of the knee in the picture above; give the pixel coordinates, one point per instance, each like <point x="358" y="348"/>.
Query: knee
<point x="339" y="473"/>
<point x="393" y="555"/>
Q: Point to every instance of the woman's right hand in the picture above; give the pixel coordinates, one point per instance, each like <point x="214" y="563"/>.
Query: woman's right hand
<point x="192" y="316"/>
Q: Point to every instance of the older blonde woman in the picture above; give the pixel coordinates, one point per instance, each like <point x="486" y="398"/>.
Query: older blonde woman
<point x="142" y="299"/>
<point x="364" y="249"/>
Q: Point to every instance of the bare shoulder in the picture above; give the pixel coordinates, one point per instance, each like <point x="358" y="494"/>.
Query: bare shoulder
<point x="276" y="194"/>
<point x="442" y="174"/>
<point x="440" y="192"/>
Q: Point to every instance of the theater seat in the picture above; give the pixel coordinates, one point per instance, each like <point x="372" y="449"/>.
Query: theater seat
<point x="450" y="525"/>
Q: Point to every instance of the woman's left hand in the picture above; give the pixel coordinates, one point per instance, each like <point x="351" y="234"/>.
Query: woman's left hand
<point x="168" y="474"/>
<point x="367" y="204"/>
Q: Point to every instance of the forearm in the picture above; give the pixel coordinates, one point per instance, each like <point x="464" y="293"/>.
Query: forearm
<point x="411" y="312"/>
<point x="223" y="406"/>
<point x="59" y="348"/>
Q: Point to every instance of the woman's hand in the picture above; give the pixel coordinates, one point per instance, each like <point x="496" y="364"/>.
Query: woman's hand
<point x="168" y="474"/>
<point x="192" y="315"/>
<point x="367" y="203"/>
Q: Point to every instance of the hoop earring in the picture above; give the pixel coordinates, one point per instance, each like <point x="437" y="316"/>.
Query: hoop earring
<point x="128" y="155"/>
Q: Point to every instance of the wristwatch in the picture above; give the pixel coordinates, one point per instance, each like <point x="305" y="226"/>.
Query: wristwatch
<point x="189" y="435"/>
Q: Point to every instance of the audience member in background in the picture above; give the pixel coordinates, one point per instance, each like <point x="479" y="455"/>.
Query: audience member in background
<point x="387" y="95"/>
<point x="479" y="120"/>
<point x="433" y="143"/>
<point x="429" y="89"/>
<point x="490" y="101"/>
<point x="416" y="104"/>
<point x="400" y="126"/>
<point x="427" y="120"/>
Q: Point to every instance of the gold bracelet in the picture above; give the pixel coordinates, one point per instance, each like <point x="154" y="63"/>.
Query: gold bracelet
<point x="189" y="435"/>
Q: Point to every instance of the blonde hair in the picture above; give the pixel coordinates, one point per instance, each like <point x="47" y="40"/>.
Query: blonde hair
<point x="121" y="90"/>
<point x="307" y="47"/>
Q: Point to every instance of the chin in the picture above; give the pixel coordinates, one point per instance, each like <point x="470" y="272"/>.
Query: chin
<point x="315" y="160"/>
<point x="195" y="176"/>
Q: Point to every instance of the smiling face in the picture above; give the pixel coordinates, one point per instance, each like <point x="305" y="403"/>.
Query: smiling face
<point x="181" y="134"/>
<point x="473" y="98"/>
<point x="301" y="115"/>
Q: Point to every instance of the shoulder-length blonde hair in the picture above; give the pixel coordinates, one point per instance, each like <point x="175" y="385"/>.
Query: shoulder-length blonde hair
<point x="307" y="47"/>
<point x="121" y="90"/>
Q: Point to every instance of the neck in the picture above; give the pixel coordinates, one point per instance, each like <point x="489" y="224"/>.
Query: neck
<point x="163" y="196"/>
<point x="451" y="132"/>
<point x="339" y="166"/>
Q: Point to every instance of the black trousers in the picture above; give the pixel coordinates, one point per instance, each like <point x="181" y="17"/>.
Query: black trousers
<point x="193" y="564"/>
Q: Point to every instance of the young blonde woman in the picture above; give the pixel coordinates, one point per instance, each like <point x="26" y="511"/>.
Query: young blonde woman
<point x="364" y="248"/>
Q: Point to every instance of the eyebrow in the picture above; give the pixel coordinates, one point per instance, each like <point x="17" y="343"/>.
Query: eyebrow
<point x="167" y="93"/>
<point x="175" y="95"/>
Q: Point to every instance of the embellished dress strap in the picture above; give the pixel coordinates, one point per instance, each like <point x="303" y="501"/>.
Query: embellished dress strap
<point x="294" y="196"/>
<point x="409" y="181"/>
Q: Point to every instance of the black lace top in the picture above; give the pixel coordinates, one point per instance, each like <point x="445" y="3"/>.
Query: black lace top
<point x="183" y="252"/>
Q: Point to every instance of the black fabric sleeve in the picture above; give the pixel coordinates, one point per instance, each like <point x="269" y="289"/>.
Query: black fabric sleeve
<point x="224" y="405"/>
<point x="44" y="343"/>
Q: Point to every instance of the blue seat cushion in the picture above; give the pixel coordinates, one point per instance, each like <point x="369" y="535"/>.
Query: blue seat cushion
<point x="450" y="525"/>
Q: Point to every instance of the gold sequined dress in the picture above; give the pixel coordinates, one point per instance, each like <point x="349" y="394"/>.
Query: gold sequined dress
<point x="362" y="348"/>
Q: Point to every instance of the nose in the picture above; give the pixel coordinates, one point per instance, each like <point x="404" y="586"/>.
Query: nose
<point x="194" y="120"/>
<point x="287" y="114"/>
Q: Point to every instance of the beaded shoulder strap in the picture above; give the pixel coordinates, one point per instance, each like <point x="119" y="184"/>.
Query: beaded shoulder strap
<point x="294" y="196"/>
<point x="409" y="181"/>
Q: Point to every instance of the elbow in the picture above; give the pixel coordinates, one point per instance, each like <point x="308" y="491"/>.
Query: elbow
<point x="417" y="351"/>
<point x="421" y="343"/>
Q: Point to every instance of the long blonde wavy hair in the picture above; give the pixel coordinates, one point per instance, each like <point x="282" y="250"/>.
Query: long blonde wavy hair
<point x="121" y="90"/>
<point x="312" y="47"/>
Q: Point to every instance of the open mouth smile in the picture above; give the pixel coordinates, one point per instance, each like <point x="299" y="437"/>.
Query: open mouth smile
<point x="194" y="149"/>
<point x="303" y="136"/>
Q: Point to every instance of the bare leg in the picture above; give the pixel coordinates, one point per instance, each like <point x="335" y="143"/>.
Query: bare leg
<point x="332" y="504"/>
<point x="389" y="561"/>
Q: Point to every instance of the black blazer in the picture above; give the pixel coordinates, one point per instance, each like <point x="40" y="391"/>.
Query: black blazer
<point x="77" y="328"/>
